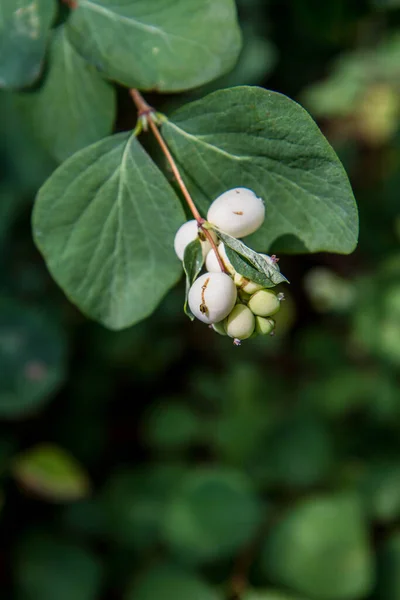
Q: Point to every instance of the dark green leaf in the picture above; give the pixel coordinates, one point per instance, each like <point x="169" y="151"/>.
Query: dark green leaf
<point x="254" y="138"/>
<point x="105" y="222"/>
<point x="158" y="45"/>
<point x="388" y="584"/>
<point x="52" y="569"/>
<point x="52" y="473"/>
<point x="24" y="28"/>
<point x="212" y="514"/>
<point x="258" y="270"/>
<point x="32" y="358"/>
<point x="134" y="503"/>
<point x="193" y="261"/>
<point x="74" y="107"/>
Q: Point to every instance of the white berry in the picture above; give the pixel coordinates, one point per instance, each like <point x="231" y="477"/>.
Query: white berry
<point x="238" y="212"/>
<point x="212" y="297"/>
<point x="212" y="264"/>
<point x="240" y="323"/>
<point x="187" y="233"/>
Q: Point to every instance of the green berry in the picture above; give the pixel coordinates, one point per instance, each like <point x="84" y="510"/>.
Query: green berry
<point x="264" y="326"/>
<point x="219" y="327"/>
<point x="240" y="323"/>
<point x="264" y="303"/>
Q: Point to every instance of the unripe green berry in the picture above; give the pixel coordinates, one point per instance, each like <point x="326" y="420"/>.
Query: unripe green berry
<point x="264" y="303"/>
<point x="264" y="326"/>
<point x="248" y="286"/>
<point x="219" y="328"/>
<point x="240" y="323"/>
<point x="212" y="297"/>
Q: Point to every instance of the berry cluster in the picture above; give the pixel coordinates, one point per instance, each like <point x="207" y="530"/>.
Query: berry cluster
<point x="223" y="298"/>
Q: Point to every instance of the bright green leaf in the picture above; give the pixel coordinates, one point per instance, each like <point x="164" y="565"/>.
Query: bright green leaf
<point x="193" y="261"/>
<point x="212" y="514"/>
<point x="321" y="549"/>
<point x="52" y="569"/>
<point x="32" y="358"/>
<point x="251" y="137"/>
<point x="105" y="222"/>
<point x="169" y="582"/>
<point x="74" y="107"/>
<point x="158" y="45"/>
<point x="24" y="28"/>
<point x="50" y="472"/>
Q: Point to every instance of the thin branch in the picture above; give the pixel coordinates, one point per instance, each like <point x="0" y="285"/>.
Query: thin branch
<point x="144" y="109"/>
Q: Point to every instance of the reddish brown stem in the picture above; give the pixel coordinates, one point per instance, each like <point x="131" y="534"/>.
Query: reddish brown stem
<point x="71" y="3"/>
<point x="145" y="109"/>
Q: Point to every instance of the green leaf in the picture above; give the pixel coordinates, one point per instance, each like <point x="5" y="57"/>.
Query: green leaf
<point x="162" y="45"/>
<point x="74" y="107"/>
<point x="213" y="514"/>
<point x="172" y="426"/>
<point x="258" y="270"/>
<point x="24" y="28"/>
<point x="52" y="569"/>
<point x="32" y="358"/>
<point x="51" y="473"/>
<point x="251" y="137"/>
<point x="105" y="222"/>
<point x="193" y="261"/>
<point x="134" y="503"/>
<point x="321" y="549"/>
<point x="169" y="582"/>
<point x="380" y="489"/>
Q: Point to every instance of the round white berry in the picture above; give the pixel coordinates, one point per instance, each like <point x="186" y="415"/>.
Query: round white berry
<point x="240" y="323"/>
<point x="187" y="233"/>
<point x="238" y="212"/>
<point x="264" y="303"/>
<point x="212" y="264"/>
<point x="212" y="297"/>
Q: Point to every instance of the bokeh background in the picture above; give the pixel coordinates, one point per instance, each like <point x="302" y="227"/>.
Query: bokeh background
<point x="161" y="462"/>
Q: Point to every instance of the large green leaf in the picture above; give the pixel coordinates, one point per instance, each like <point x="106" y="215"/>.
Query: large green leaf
<point x="251" y="137"/>
<point x="24" y="27"/>
<point x="105" y="222"/>
<point x="160" y="44"/>
<point x="321" y="550"/>
<point x="32" y="358"/>
<point x="74" y="107"/>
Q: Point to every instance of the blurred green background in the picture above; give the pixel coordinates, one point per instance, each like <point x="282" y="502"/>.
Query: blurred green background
<point x="162" y="463"/>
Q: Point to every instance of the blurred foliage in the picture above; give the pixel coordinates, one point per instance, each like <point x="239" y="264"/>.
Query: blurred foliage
<point x="162" y="462"/>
